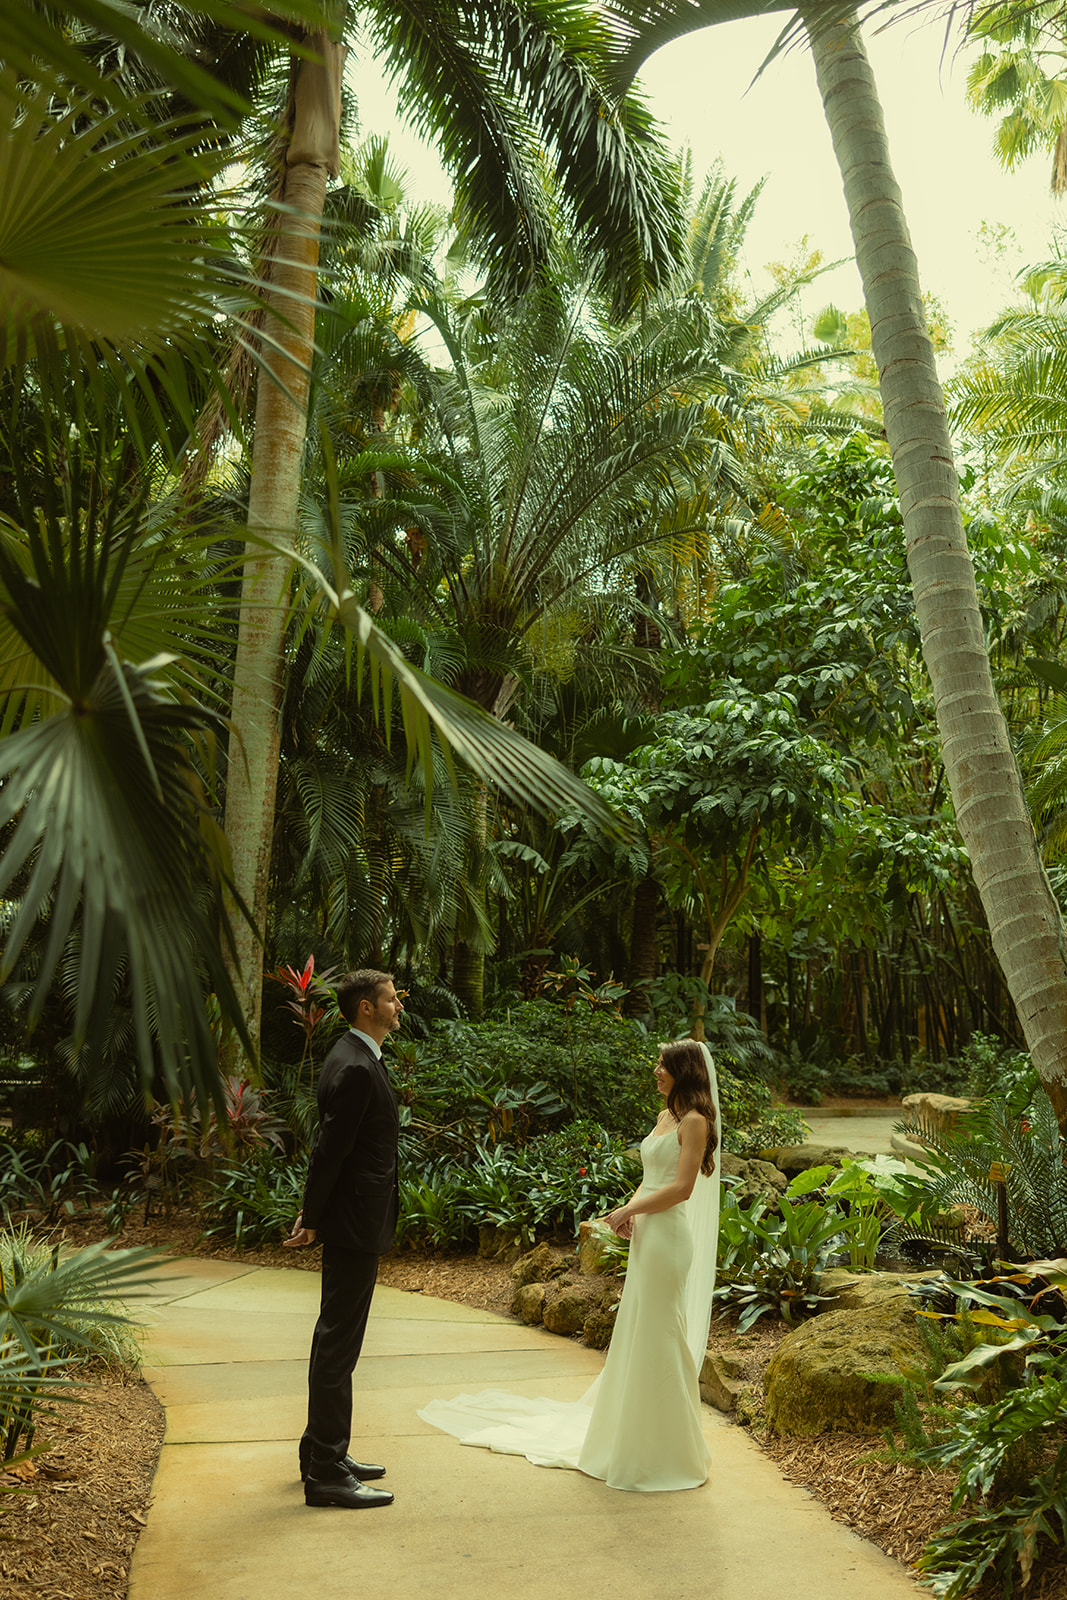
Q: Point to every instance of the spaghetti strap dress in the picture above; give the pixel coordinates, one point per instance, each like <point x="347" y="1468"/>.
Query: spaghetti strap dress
<point x="639" y="1427"/>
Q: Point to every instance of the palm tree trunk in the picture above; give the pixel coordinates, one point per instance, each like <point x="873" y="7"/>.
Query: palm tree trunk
<point x="643" y="948"/>
<point x="468" y="978"/>
<point x="277" y="459"/>
<point x="495" y="694"/>
<point x="1024" y="919"/>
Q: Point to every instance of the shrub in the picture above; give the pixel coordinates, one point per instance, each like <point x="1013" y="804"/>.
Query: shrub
<point x="774" y="1263"/>
<point x="555" y="1181"/>
<point x="533" y="1043"/>
<point x="254" y="1201"/>
<point x="1009" y="1452"/>
<point x="994" y="1071"/>
<point x="53" y="1312"/>
<point x="1032" y="1151"/>
<point x="429" y="1210"/>
<point x="47" y="1181"/>
<point x="810" y="1075"/>
<point x="782" y="1126"/>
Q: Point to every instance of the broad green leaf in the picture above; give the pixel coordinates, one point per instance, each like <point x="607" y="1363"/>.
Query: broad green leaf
<point x="969" y="1372"/>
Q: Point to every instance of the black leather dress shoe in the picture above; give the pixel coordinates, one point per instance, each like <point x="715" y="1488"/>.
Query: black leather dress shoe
<point x="345" y="1491"/>
<point x="365" y="1471"/>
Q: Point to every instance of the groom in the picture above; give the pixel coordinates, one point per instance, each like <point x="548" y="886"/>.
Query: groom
<point x="350" y="1205"/>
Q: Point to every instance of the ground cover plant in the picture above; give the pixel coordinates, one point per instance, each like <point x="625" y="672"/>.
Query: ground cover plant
<point x="47" y="1178"/>
<point x="772" y="1261"/>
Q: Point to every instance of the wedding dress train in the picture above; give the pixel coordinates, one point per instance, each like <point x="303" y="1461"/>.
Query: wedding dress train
<point x="639" y="1426"/>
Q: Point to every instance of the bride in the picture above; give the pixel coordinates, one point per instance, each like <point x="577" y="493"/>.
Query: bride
<point x="638" y="1427"/>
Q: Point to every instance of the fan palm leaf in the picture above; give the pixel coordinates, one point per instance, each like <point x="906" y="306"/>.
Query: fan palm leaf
<point x="59" y="1302"/>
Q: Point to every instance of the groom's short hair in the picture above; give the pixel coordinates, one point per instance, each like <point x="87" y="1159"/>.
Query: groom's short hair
<point x="355" y="987"/>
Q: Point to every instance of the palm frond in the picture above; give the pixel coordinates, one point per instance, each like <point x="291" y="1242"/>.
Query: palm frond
<point x="1032" y="1152"/>
<point x="494" y="83"/>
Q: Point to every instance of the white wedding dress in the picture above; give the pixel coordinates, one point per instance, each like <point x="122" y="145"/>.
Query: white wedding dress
<point x="639" y="1426"/>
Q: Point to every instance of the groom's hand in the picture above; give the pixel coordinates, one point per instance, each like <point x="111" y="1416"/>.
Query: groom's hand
<point x="299" y="1236"/>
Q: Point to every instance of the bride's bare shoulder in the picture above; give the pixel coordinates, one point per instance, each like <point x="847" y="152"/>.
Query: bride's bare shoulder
<point x="694" y="1119"/>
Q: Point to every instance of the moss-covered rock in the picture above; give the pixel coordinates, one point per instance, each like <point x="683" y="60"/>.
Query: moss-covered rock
<point x="856" y="1291"/>
<point x="823" y="1378"/>
<point x="793" y="1159"/>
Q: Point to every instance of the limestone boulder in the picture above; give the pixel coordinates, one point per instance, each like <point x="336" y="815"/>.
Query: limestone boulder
<point x="569" y="1302"/>
<point x="823" y="1378"/>
<point x="939" y="1111"/>
<point x="539" y="1265"/>
<point x="756" y="1180"/>
<point x="721" y="1380"/>
<point x="528" y="1303"/>
<point x="793" y="1159"/>
<point x="595" y="1254"/>
<point x="600" y="1323"/>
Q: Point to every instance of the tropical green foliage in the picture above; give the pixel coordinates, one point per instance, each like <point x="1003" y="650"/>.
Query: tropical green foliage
<point x="465" y="1071"/>
<point x="1007" y="1446"/>
<point x="55" y="1312"/>
<point x="45" y="1181"/>
<point x="773" y="1263"/>
<point x="1019" y="77"/>
<point x="1028" y="1148"/>
<point x="551" y="1184"/>
<point x="253" y="1201"/>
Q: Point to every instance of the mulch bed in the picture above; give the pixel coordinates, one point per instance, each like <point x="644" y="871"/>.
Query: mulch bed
<point x="69" y="1531"/>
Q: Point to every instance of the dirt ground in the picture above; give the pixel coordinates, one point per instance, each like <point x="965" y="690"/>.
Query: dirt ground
<point x="69" y="1533"/>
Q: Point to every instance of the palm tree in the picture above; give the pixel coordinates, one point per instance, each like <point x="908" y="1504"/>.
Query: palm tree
<point x="562" y="454"/>
<point x="489" y="81"/>
<point x="1009" y="78"/>
<point x="1024" y="919"/>
<point x="108" y="303"/>
<point x="1011" y="398"/>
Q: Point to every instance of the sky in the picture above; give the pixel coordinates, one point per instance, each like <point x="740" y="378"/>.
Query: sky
<point x="706" y="92"/>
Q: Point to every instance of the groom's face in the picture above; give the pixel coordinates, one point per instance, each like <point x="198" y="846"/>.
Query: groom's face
<point x="382" y="1015"/>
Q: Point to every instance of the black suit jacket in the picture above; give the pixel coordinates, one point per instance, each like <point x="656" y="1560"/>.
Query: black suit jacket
<point x="351" y="1195"/>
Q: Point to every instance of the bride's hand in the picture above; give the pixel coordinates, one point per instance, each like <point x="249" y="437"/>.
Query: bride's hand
<point x="620" y="1222"/>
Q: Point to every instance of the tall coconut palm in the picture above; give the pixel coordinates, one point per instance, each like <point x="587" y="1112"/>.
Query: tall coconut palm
<point x="1024" y="919"/>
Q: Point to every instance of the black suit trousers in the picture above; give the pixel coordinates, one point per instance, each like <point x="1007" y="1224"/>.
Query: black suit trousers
<point x="348" y="1278"/>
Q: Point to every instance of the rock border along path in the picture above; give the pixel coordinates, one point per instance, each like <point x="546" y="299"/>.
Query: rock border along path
<point x="226" y="1353"/>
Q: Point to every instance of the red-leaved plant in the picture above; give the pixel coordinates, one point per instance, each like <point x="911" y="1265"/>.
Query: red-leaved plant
<point x="310" y="1003"/>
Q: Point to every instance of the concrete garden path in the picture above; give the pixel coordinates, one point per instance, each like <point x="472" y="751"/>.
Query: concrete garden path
<point x="865" y="1132"/>
<point x="226" y="1354"/>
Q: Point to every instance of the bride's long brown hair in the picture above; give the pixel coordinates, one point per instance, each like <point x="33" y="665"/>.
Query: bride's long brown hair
<point x="691" y="1091"/>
